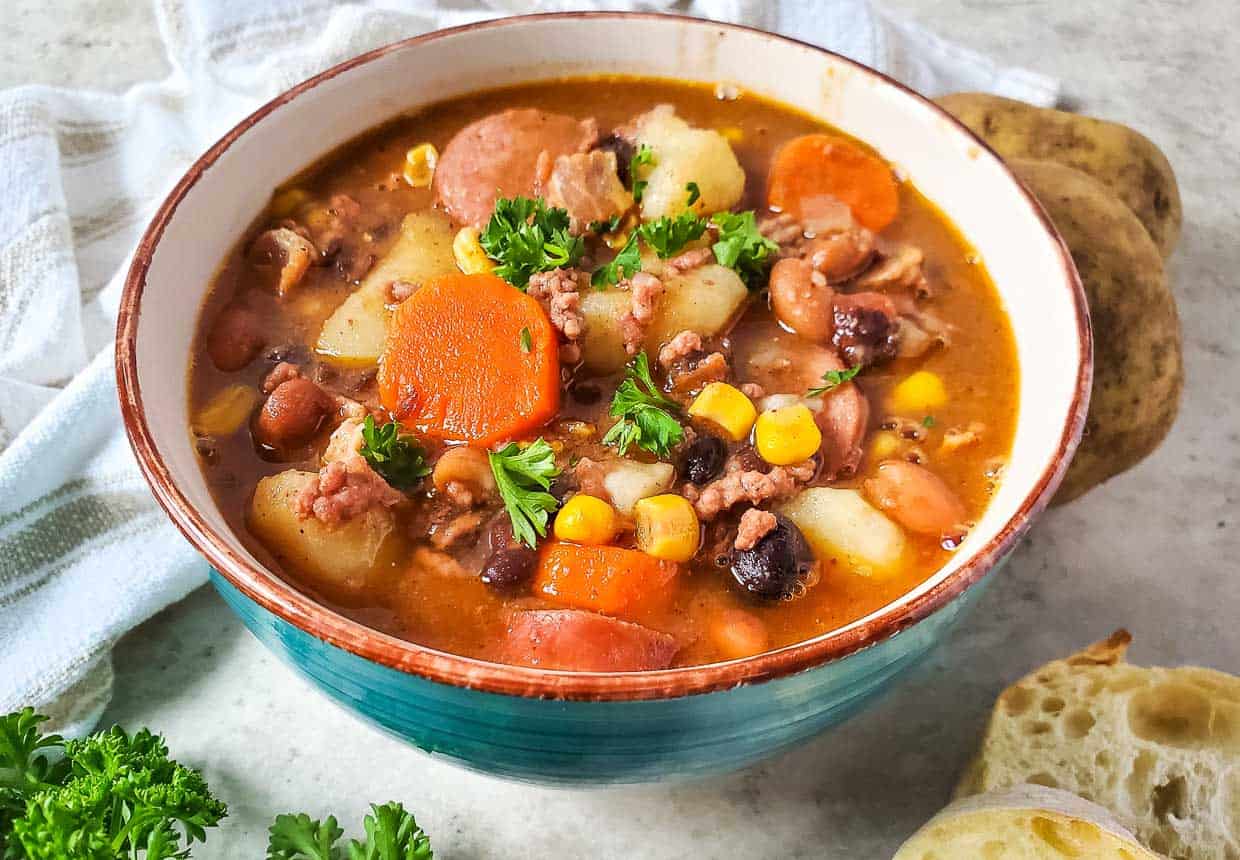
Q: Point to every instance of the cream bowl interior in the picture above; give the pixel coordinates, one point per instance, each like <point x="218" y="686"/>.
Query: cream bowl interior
<point x="973" y="188"/>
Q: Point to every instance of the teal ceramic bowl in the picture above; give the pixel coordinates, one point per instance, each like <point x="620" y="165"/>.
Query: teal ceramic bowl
<point x="595" y="728"/>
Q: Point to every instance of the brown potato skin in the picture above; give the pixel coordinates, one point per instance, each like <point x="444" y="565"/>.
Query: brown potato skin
<point x="1138" y="371"/>
<point x="1117" y="156"/>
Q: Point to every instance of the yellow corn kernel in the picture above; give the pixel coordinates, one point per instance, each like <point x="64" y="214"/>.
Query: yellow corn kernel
<point x="885" y="446"/>
<point x="667" y="527"/>
<point x="420" y="164"/>
<point x="586" y="519"/>
<point x="470" y="258"/>
<point x="288" y="201"/>
<point x="919" y="393"/>
<point x="788" y="435"/>
<point x="727" y="407"/>
<point x="226" y="411"/>
<point x="732" y="133"/>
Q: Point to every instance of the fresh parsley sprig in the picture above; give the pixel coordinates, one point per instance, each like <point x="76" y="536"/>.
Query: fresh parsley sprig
<point x="667" y="236"/>
<point x="647" y="416"/>
<point x="741" y="246"/>
<point x="523" y="476"/>
<point x="391" y="834"/>
<point x="525" y="236"/>
<point x="833" y="379"/>
<point x="644" y="157"/>
<point x="398" y="458"/>
<point x="624" y="265"/>
<point x="694" y="193"/>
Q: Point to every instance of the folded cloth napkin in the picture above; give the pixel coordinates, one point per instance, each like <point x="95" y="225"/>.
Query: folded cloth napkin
<point x="85" y="554"/>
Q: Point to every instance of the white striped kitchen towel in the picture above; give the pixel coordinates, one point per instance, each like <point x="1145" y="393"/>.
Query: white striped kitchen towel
<point x="84" y="553"/>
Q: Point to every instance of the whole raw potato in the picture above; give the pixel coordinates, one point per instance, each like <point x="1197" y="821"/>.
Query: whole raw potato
<point x="1137" y="365"/>
<point x="1122" y="159"/>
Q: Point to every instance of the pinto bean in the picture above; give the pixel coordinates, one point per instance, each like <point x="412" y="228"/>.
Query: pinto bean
<point x="236" y="338"/>
<point x="799" y="303"/>
<point x="464" y="475"/>
<point x="840" y="255"/>
<point x="915" y="497"/>
<point x="292" y="414"/>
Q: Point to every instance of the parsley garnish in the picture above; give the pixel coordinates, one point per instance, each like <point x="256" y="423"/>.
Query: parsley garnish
<point x="644" y="157"/>
<point x="527" y="341"/>
<point x="833" y="379"/>
<point x="525" y="236"/>
<point x="741" y="246"/>
<point x="624" y="265"/>
<point x="694" y="193"/>
<point x="398" y="458"/>
<point x="645" y="413"/>
<point x="391" y="834"/>
<point x="668" y="235"/>
<point x="928" y="421"/>
<point x="611" y="225"/>
<point x="523" y="477"/>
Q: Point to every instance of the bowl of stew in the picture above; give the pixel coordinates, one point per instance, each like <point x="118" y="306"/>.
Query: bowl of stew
<point x="588" y="409"/>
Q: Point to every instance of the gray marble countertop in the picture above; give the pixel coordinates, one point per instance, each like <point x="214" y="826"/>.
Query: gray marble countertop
<point x="1155" y="550"/>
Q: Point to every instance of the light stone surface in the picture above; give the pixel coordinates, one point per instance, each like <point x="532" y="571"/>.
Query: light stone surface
<point x="1155" y="550"/>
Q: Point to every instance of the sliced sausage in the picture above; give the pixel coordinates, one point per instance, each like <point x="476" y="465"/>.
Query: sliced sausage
<point x="292" y="414"/>
<point x="501" y="155"/>
<point x="579" y="641"/>
<point x="235" y="339"/>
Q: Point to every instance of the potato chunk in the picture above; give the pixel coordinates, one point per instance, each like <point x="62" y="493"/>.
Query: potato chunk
<point x="350" y="556"/>
<point x="684" y="154"/>
<point x="840" y="524"/>
<point x="355" y="333"/>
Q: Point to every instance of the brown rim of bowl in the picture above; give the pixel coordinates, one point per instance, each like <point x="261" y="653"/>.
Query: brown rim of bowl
<point x="279" y="597"/>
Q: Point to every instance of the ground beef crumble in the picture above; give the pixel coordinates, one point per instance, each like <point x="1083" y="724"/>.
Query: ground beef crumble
<point x="559" y="292"/>
<point x="755" y="524"/>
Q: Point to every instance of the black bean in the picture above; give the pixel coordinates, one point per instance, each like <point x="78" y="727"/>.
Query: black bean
<point x="703" y="459"/>
<point x="864" y="336"/>
<point x="779" y="565"/>
<point x="509" y="568"/>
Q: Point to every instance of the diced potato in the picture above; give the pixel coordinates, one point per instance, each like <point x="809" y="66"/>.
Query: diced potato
<point x="840" y="524"/>
<point x="350" y="556"/>
<point x="355" y="333"/>
<point x="226" y="411"/>
<point x="704" y="300"/>
<point x="684" y="154"/>
<point x="629" y="481"/>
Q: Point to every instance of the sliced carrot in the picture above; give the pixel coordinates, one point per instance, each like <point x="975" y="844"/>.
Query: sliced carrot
<point x="813" y="166"/>
<point x="457" y="365"/>
<point x="602" y="578"/>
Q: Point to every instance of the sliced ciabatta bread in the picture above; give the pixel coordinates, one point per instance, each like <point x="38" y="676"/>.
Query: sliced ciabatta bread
<point x="1028" y="822"/>
<point x="1159" y="748"/>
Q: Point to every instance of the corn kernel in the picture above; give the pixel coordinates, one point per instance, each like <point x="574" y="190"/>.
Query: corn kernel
<point x="727" y="407"/>
<point x="667" y="527"/>
<point x="586" y="520"/>
<point x="732" y="133"/>
<point x="885" y="445"/>
<point x="919" y="394"/>
<point x="226" y="411"/>
<point x="470" y="258"/>
<point x="288" y="201"/>
<point x="788" y="435"/>
<point x="420" y="164"/>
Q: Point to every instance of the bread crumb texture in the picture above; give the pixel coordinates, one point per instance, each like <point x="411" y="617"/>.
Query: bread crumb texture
<point x="1159" y="748"/>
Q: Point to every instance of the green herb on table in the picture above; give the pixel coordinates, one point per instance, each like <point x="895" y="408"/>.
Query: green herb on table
<point x="644" y="157"/>
<point x="526" y="340"/>
<point x="524" y="237"/>
<point x="624" y="265"/>
<point x="391" y="834"/>
<point x="647" y="416"/>
<point x="742" y="247"/>
<point x="667" y="236"/>
<point x="111" y="795"/>
<point x="398" y="458"/>
<point x="694" y="193"/>
<point x="523" y="476"/>
<point x="833" y="379"/>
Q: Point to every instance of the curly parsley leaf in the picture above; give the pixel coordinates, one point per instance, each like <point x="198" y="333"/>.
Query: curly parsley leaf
<point x="524" y="236"/>
<point x="29" y="763"/>
<point x="398" y="458"/>
<point x="647" y="416"/>
<point x="300" y="837"/>
<point x="834" y="379"/>
<point x="624" y="265"/>
<point x="644" y="157"/>
<point x="694" y="193"/>
<point x="741" y="246"/>
<point x="391" y="834"/>
<point x="611" y="225"/>
<point x="523" y="476"/>
<point x="667" y="236"/>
